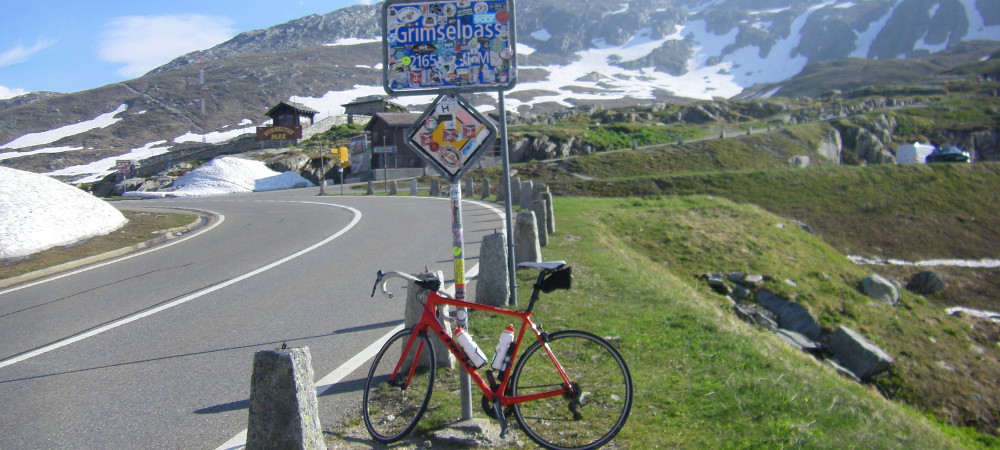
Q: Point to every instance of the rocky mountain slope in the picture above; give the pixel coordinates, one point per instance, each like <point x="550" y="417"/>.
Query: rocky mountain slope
<point x="599" y="52"/>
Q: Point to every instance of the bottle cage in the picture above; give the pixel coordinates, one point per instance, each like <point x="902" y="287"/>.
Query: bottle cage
<point x="557" y="279"/>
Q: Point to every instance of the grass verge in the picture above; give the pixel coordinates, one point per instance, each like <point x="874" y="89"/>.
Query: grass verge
<point x="702" y="378"/>
<point x="142" y="226"/>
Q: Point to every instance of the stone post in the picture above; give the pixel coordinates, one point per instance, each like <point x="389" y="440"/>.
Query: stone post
<point x="515" y="192"/>
<point x="435" y="187"/>
<point x="493" y="283"/>
<point x="283" y="409"/>
<point x="393" y="189"/>
<point x="550" y="213"/>
<point x="469" y="190"/>
<point x="415" y="298"/>
<point x="501" y="191"/>
<point x="371" y="189"/>
<point x="527" y="191"/>
<point x="541" y="215"/>
<point x="413" y="187"/>
<point x="526" y="239"/>
<point x="486" y="188"/>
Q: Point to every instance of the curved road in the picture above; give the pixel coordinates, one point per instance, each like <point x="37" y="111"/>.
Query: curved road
<point x="156" y="350"/>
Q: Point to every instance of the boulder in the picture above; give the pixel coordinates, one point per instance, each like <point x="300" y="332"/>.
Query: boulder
<point x="856" y="353"/>
<point x="927" y="282"/>
<point x="287" y="163"/>
<point x="756" y="315"/>
<point x="881" y="289"/>
<point x="799" y="341"/>
<point x="791" y="315"/>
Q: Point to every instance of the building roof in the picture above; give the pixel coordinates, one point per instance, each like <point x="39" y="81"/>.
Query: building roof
<point x="302" y="109"/>
<point x="394" y="119"/>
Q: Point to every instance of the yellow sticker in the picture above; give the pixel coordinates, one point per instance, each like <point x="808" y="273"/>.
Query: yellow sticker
<point x="457" y="251"/>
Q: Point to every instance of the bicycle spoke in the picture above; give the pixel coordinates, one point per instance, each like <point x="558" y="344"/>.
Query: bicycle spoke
<point x="398" y="387"/>
<point x="597" y="408"/>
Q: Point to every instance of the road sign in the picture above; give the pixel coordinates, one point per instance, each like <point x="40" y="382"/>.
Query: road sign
<point x="447" y="46"/>
<point x="384" y="149"/>
<point x="451" y="135"/>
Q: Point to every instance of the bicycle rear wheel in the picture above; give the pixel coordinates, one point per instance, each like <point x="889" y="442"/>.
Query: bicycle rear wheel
<point x="597" y="409"/>
<point x="397" y="390"/>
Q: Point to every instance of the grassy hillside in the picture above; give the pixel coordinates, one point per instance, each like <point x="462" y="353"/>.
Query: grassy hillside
<point x="703" y="378"/>
<point x="678" y="212"/>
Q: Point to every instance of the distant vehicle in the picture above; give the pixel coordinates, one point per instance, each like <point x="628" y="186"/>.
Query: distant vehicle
<point x="949" y="154"/>
<point x="915" y="153"/>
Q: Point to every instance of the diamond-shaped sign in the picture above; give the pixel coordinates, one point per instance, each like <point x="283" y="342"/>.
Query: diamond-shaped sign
<point x="451" y="136"/>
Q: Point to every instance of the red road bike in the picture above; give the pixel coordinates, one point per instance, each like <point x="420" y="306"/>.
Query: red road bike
<point x="569" y="389"/>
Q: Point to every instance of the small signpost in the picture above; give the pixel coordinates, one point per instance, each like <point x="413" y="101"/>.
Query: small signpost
<point x="445" y="48"/>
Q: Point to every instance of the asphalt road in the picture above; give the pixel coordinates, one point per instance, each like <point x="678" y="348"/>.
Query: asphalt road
<point x="156" y="351"/>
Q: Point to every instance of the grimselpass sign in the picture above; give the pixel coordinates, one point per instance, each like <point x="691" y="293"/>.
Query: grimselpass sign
<point x="459" y="45"/>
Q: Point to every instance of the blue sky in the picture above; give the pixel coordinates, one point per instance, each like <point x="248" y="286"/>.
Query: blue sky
<point x="75" y="45"/>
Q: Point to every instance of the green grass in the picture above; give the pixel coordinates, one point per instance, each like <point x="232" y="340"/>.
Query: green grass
<point x="702" y="378"/>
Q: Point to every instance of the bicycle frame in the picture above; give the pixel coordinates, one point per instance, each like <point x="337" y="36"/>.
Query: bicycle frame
<point x="429" y="321"/>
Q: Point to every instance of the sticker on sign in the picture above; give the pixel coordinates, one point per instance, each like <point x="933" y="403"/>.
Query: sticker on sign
<point x="451" y="136"/>
<point x="462" y="45"/>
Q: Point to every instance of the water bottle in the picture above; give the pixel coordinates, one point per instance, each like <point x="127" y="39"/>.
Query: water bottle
<point x="476" y="356"/>
<point x="502" y="356"/>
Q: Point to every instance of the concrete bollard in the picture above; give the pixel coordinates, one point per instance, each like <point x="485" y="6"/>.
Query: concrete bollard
<point x="527" y="191"/>
<point x="283" y="409"/>
<point x="486" y="188"/>
<point x="493" y="282"/>
<point x="515" y="192"/>
<point x="526" y="239"/>
<point x="501" y="191"/>
<point x="413" y="187"/>
<point x="415" y="299"/>
<point x="541" y="215"/>
<point x="371" y="189"/>
<point x="435" y="187"/>
<point x="469" y="189"/>
<point x="393" y="189"/>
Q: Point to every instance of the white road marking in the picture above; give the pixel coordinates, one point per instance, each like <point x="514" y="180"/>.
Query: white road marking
<point x="324" y="384"/>
<point x="185" y="299"/>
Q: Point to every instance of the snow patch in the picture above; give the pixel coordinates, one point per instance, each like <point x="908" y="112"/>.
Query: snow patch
<point x="38" y="212"/>
<point x="228" y="175"/>
<point x="50" y="136"/>
<point x="352" y="41"/>
<point x="984" y="263"/>
<point x="12" y="155"/>
<point x="541" y="35"/>
<point x="97" y="170"/>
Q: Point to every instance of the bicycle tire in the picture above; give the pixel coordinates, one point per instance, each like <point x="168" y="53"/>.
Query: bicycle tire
<point x="389" y="409"/>
<point x="600" y="375"/>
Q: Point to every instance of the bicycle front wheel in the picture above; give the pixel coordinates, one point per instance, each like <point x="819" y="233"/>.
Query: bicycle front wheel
<point x="597" y="408"/>
<point x="399" y="386"/>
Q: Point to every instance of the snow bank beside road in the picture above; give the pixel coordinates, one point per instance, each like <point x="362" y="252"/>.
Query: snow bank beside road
<point x="228" y="175"/>
<point x="38" y="212"/>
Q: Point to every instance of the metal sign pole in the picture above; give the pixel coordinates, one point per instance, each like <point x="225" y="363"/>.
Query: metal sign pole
<point x="508" y="211"/>
<point x="458" y="250"/>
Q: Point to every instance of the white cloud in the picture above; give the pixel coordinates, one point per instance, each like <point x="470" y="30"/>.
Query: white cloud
<point x="142" y="43"/>
<point x="6" y="92"/>
<point x="20" y="53"/>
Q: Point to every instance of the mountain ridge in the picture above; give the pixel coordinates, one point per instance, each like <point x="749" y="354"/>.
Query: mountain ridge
<point x="605" y="52"/>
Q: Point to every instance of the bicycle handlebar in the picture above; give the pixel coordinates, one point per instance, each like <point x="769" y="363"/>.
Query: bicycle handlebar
<point x="382" y="277"/>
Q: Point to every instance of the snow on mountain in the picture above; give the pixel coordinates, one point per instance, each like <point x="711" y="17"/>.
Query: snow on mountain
<point x="38" y="212"/>
<point x="97" y="170"/>
<point x="47" y="137"/>
<point x="229" y="175"/>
